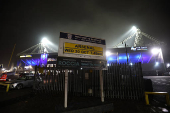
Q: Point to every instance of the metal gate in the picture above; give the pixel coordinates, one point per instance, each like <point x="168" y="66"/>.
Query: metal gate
<point x="121" y="81"/>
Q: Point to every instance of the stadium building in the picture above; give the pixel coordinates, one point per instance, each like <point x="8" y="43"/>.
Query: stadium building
<point x="150" y="55"/>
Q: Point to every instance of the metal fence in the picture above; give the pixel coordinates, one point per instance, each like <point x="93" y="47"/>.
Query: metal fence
<point x="121" y="81"/>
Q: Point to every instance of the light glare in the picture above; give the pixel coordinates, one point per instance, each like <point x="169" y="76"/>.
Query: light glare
<point x="157" y="63"/>
<point x="44" y="40"/>
<point x="108" y="53"/>
<point x="155" y="51"/>
<point x="134" y="28"/>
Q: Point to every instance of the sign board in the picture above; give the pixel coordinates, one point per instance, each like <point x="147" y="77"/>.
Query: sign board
<point x="76" y="46"/>
<point x="79" y="63"/>
<point x="139" y="48"/>
<point x="82" y="49"/>
<point x="25" y="56"/>
<point x="1" y="65"/>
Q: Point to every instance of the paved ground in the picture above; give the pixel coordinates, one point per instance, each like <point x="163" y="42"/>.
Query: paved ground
<point x="24" y="101"/>
<point x="160" y="84"/>
<point x="52" y="102"/>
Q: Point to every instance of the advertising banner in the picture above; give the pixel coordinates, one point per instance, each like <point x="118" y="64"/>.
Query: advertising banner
<point x="79" y="63"/>
<point x="77" y="46"/>
<point x="82" y="49"/>
<point x="76" y="37"/>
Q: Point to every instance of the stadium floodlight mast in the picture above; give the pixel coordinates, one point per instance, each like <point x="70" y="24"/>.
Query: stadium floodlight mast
<point x="44" y="42"/>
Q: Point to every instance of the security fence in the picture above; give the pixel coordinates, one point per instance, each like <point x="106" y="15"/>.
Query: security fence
<point x="121" y="81"/>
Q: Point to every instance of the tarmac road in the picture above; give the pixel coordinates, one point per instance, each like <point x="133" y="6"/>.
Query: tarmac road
<point x="38" y="103"/>
<point x="160" y="84"/>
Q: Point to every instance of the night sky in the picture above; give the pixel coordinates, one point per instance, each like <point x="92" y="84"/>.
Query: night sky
<point x="26" y="22"/>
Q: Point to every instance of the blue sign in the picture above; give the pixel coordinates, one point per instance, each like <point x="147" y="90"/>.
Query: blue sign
<point x="82" y="38"/>
<point x="139" y="48"/>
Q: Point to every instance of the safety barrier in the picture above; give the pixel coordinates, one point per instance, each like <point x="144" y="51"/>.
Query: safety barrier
<point x="5" y="84"/>
<point x="157" y="93"/>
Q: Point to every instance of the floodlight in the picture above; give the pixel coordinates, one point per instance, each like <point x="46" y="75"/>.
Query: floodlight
<point x="44" y="40"/>
<point x="155" y="51"/>
<point x="134" y="28"/>
<point x="157" y="63"/>
<point x="168" y="65"/>
<point x="3" y="69"/>
<point x="108" y="53"/>
<point x="131" y="64"/>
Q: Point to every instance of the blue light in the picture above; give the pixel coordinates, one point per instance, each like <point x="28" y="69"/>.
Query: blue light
<point x="43" y="60"/>
<point x="43" y="57"/>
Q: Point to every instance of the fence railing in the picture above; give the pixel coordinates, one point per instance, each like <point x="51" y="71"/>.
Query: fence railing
<point x="121" y="81"/>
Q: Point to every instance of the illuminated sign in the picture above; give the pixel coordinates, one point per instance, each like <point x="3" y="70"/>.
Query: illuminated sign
<point x="25" y="56"/>
<point x="72" y="63"/>
<point x="77" y="46"/>
<point x="82" y="49"/>
<point x="139" y="48"/>
<point x="82" y="38"/>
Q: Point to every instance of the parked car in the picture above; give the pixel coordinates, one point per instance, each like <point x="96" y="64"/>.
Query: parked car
<point x="24" y="81"/>
<point x="26" y="74"/>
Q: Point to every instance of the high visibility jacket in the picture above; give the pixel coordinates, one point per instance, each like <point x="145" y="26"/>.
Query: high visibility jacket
<point x="3" y="77"/>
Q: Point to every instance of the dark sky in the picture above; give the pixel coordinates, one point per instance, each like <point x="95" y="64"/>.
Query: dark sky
<point x="25" y="22"/>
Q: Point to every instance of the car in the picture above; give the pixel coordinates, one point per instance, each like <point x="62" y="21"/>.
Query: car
<point x="24" y="81"/>
<point x="26" y="74"/>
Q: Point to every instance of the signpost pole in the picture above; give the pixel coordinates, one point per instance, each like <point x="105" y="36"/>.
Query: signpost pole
<point x="101" y="86"/>
<point x="66" y="86"/>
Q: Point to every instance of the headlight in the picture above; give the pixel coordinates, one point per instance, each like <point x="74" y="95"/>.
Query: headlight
<point x="14" y="85"/>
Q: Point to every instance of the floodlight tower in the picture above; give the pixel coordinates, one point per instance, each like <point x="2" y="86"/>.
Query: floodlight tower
<point x="138" y="39"/>
<point x="42" y="45"/>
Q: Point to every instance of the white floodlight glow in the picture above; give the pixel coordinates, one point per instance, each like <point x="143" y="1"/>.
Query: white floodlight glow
<point x="3" y="69"/>
<point x="157" y="63"/>
<point x="155" y="51"/>
<point x="108" y="53"/>
<point x="131" y="64"/>
<point x="30" y="66"/>
<point x="44" y="40"/>
<point x="168" y="65"/>
<point x="134" y="28"/>
<point x="108" y="64"/>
